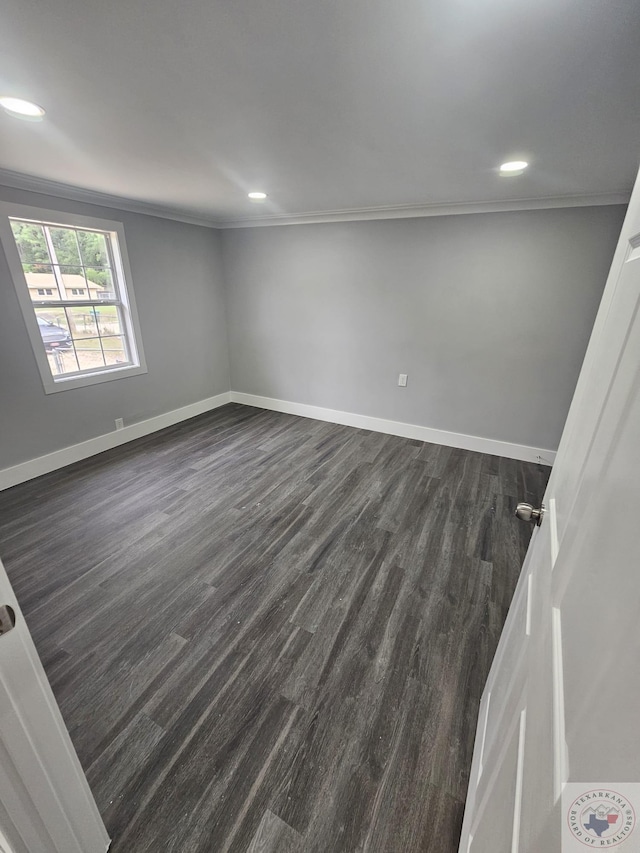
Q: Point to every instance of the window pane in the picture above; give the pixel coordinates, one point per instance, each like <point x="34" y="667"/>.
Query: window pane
<point x="55" y="315"/>
<point x="101" y="283"/>
<point x="108" y="320"/>
<point x="73" y="281"/>
<point x="93" y="249"/>
<point x="62" y="361"/>
<point x="42" y="284"/>
<point x="89" y="353"/>
<point x="37" y="269"/>
<point x="52" y="325"/>
<point x="115" y="351"/>
<point x="82" y="322"/>
<point x="66" y="248"/>
<point x="31" y="243"/>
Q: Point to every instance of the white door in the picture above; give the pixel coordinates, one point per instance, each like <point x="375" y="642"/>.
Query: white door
<point x="557" y="757"/>
<point x="45" y="802"/>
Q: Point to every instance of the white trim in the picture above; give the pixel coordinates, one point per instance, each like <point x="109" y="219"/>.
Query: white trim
<point x="421" y="433"/>
<point x="418" y="211"/>
<point x="484" y="737"/>
<point x="58" y="189"/>
<point x="67" y="455"/>
<point x="517" y="805"/>
<point x="553" y="528"/>
<point x="29" y="183"/>
<point x="123" y="282"/>
<point x="560" y="752"/>
<point x="527" y="628"/>
<point x="476" y="773"/>
<point x="96" y="377"/>
<point x="475" y="807"/>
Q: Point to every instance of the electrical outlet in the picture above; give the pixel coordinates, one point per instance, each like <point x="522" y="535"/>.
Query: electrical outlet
<point x="402" y="380"/>
<point x="119" y="423"/>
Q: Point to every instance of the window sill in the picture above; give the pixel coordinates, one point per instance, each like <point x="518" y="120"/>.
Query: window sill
<point x="52" y="386"/>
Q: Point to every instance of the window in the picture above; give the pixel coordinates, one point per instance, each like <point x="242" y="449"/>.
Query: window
<point x="72" y="278"/>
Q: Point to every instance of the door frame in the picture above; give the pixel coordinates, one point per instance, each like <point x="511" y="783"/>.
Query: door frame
<point x="46" y="805"/>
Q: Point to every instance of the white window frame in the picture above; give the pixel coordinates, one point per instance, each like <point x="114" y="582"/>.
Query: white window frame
<point x="122" y="281"/>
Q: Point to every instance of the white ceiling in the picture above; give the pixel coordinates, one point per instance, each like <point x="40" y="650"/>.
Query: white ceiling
<point x="326" y="105"/>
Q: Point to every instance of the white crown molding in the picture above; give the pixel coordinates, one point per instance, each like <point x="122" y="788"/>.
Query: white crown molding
<point x="416" y="211"/>
<point x="422" y="433"/>
<point x="30" y="183"/>
<point x="19" y="181"/>
<point x="74" y="453"/>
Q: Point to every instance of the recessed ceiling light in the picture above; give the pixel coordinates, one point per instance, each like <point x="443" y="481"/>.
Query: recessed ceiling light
<point x="257" y="196"/>
<point x="513" y="168"/>
<point x="21" y="109"/>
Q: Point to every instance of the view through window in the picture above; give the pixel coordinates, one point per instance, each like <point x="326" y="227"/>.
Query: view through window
<point x="79" y="301"/>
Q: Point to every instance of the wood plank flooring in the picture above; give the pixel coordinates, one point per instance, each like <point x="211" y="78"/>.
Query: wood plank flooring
<point x="268" y="633"/>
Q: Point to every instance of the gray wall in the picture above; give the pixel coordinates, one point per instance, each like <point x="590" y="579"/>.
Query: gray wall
<point x="179" y="293"/>
<point x="489" y="314"/>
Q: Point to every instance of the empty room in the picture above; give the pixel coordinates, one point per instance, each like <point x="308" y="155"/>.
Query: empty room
<point x="319" y="418"/>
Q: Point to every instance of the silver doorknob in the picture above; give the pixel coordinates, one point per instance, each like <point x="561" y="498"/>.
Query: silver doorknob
<point x="526" y="512"/>
<point x="7" y="618"/>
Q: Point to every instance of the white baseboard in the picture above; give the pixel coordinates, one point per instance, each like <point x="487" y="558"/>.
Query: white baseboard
<point x="59" y="458"/>
<point x="67" y="455"/>
<point x="422" y="433"/>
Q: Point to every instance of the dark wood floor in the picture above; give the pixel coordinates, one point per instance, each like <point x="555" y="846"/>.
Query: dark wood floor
<point x="269" y="633"/>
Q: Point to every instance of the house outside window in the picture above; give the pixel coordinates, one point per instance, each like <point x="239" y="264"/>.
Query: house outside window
<point x="73" y="281"/>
